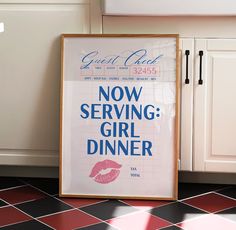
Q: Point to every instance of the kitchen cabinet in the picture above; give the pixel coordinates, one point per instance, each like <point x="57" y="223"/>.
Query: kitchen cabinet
<point x="208" y="109"/>
<point x="186" y="124"/>
<point x="30" y="75"/>
<point x="214" y="120"/>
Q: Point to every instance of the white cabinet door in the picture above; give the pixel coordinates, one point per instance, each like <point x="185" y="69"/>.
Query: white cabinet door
<point x="30" y="76"/>
<point x="215" y="106"/>
<point x="186" y="115"/>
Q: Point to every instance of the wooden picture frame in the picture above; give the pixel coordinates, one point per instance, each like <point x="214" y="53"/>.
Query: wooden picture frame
<point x="119" y="126"/>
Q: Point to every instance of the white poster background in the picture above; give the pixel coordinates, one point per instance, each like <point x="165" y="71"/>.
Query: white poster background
<point x="139" y="176"/>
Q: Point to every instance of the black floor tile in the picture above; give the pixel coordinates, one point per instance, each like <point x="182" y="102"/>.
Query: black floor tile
<point x="48" y="185"/>
<point x="108" y="209"/>
<point x="2" y="203"/>
<point x="8" y="182"/>
<point x="43" y="207"/>
<point x="229" y="214"/>
<point x="100" y="226"/>
<point x="172" y="228"/>
<point x="231" y="192"/>
<point x="176" y="212"/>
<point x="28" y="225"/>
<point x="187" y="190"/>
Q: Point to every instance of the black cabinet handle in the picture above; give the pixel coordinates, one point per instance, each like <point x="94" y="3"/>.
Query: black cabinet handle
<point x="200" y="81"/>
<point x="187" y="52"/>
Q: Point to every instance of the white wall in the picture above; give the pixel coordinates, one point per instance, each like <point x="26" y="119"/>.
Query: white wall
<point x="214" y="27"/>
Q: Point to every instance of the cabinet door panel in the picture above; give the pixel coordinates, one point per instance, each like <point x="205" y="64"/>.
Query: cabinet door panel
<point x="30" y="71"/>
<point x="215" y="107"/>
<point x="30" y="78"/>
<point x="186" y="115"/>
<point x="223" y="103"/>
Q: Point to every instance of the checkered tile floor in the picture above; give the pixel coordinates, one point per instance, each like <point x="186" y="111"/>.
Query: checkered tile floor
<point x="33" y="204"/>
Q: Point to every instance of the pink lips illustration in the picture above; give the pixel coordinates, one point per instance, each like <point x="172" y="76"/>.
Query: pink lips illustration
<point x="108" y="177"/>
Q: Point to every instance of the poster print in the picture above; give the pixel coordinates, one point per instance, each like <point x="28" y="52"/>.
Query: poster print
<point x="119" y="116"/>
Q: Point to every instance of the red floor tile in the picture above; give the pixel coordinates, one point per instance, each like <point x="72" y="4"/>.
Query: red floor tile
<point x="10" y="215"/>
<point x="208" y="221"/>
<point x="69" y="220"/>
<point x="21" y="194"/>
<point x="78" y="203"/>
<point x="139" y="221"/>
<point x="145" y="204"/>
<point x="211" y="202"/>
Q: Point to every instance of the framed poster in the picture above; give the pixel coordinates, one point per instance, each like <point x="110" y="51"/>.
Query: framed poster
<point x="119" y="116"/>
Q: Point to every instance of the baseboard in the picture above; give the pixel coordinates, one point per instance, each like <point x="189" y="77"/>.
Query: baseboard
<point x="53" y="172"/>
<point x="204" y="177"/>
<point x="29" y="157"/>
<point x="29" y="171"/>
